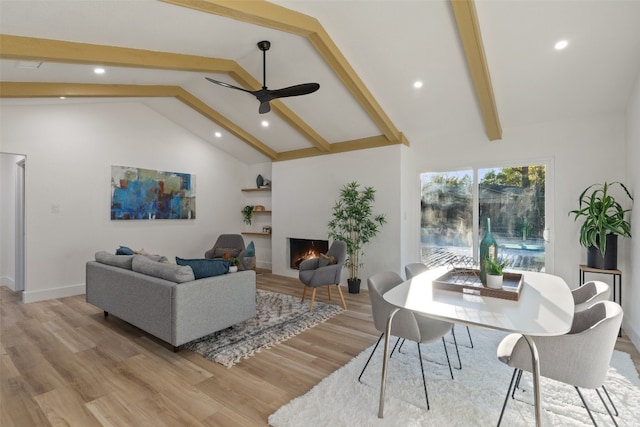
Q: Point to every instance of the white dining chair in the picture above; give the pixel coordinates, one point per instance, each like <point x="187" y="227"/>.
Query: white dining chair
<point x="590" y="293"/>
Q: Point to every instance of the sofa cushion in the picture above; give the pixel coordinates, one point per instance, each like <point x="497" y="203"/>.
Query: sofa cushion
<point x="205" y="267"/>
<point x="230" y="252"/>
<point x="171" y="272"/>
<point x="122" y="261"/>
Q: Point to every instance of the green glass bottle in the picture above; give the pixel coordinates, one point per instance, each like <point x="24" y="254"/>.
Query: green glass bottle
<point x="488" y="249"/>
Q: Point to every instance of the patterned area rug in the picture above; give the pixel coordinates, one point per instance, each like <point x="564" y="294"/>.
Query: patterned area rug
<point x="278" y="318"/>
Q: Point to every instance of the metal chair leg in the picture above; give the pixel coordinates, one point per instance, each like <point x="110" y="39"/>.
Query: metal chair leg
<point x="506" y="398"/>
<point x="455" y="341"/>
<point x="607" y="408"/>
<point x="584" y="402"/>
<point x="447" y="354"/>
<point x="424" y="381"/>
<point x="611" y="401"/>
<point x="370" y="356"/>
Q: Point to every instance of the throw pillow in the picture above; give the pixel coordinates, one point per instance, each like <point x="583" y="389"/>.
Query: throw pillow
<point x="123" y="250"/>
<point x="250" y="250"/>
<point x="220" y="252"/>
<point x="170" y="272"/>
<point x="326" y="260"/>
<point x="205" y="267"/>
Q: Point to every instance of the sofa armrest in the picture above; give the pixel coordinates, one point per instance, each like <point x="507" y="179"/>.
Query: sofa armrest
<point x="208" y="305"/>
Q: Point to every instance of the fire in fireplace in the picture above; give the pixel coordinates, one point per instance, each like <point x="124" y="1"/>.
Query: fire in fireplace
<point x="302" y="249"/>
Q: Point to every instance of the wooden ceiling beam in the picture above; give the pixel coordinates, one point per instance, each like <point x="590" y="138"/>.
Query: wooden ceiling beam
<point x="78" y="90"/>
<point x="469" y="31"/>
<point x="339" y="147"/>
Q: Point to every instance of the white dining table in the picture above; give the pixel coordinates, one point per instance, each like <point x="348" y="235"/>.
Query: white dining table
<point x="545" y="308"/>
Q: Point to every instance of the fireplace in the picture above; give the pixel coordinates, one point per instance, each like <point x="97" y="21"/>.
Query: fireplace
<point x="302" y="249"/>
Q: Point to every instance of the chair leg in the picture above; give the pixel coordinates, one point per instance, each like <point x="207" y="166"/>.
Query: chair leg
<point x="611" y="401"/>
<point x="455" y="342"/>
<point x="424" y="381"/>
<point x="313" y="297"/>
<point x="607" y="407"/>
<point x="470" y="340"/>
<point x="344" y="304"/>
<point x="304" y="292"/>
<point x="329" y="291"/>
<point x="447" y="354"/>
<point x="506" y="398"/>
<point x="370" y="356"/>
<point x="584" y="402"/>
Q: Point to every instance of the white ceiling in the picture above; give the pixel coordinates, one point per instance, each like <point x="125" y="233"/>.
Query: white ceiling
<point x="389" y="44"/>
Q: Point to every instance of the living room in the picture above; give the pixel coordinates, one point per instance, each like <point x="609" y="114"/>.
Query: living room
<point x="70" y="147"/>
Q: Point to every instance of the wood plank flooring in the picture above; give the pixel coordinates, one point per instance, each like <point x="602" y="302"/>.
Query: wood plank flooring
<point x="63" y="363"/>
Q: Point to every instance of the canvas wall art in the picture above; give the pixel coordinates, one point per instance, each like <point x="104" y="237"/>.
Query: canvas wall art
<point x="138" y="193"/>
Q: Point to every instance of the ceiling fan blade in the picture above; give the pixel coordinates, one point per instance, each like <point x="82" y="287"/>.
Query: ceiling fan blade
<point x="229" y="85"/>
<point x="264" y="107"/>
<point x="302" y="89"/>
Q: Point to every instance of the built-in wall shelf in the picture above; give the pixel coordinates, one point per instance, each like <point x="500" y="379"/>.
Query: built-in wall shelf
<point x="255" y="233"/>
<point x="260" y="212"/>
<point x="257" y="189"/>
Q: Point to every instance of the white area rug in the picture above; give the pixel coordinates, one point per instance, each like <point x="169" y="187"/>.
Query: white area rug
<point x="278" y="318"/>
<point x="474" y="398"/>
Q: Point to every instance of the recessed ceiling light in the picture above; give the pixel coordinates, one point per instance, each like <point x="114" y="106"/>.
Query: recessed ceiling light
<point x="99" y="70"/>
<point x="217" y="135"/>
<point x="417" y="84"/>
<point x="265" y="124"/>
<point x="561" y="44"/>
<point x="63" y="97"/>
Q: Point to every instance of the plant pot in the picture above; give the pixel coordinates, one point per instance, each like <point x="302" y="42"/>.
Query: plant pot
<point x="494" y="281"/>
<point x="354" y="286"/>
<point x="608" y="261"/>
<point x="233" y="269"/>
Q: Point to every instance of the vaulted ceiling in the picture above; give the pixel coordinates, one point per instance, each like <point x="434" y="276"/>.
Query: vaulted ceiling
<point x="485" y="65"/>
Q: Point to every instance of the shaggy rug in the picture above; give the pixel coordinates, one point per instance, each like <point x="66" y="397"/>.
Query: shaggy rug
<point x="278" y="318"/>
<point x="474" y="398"/>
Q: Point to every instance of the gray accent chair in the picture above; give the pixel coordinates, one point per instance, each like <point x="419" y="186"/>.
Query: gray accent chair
<point x="590" y="293"/>
<point x="415" y="268"/>
<point x="233" y="244"/>
<point x="579" y="358"/>
<point x="406" y="324"/>
<point x="317" y="272"/>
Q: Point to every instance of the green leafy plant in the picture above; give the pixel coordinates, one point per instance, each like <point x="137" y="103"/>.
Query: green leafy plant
<point x="602" y="215"/>
<point x="495" y="266"/>
<point x="354" y="223"/>
<point x="247" y="213"/>
<point x="233" y="261"/>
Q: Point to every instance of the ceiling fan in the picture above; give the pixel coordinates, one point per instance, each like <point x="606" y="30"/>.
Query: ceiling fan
<point x="265" y="95"/>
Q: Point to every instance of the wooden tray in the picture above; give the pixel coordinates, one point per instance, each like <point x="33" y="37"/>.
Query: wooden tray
<point x="468" y="281"/>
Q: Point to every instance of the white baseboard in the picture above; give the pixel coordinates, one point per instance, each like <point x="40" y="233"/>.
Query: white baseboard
<point x="8" y="282"/>
<point x="45" y="294"/>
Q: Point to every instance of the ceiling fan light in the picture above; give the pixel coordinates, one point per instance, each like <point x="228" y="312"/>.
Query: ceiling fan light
<point x="265" y="124"/>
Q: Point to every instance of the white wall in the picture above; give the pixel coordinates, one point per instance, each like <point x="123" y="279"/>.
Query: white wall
<point x="8" y="173"/>
<point x="305" y="190"/>
<point x="70" y="150"/>
<point x="631" y="290"/>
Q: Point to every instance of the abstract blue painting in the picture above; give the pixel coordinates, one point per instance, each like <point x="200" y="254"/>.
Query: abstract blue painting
<point x="149" y="194"/>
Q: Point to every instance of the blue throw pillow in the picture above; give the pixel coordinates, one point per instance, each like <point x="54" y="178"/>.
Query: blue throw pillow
<point x="250" y="250"/>
<point x="123" y="250"/>
<point x="205" y="267"/>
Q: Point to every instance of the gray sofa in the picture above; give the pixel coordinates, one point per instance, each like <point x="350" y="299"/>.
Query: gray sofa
<point x="165" y="300"/>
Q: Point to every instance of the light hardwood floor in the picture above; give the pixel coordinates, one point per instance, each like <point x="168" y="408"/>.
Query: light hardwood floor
<point x="63" y="363"/>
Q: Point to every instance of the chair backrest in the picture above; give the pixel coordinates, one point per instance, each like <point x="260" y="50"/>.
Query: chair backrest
<point x="413" y="269"/>
<point x="229" y="241"/>
<point x="404" y="323"/>
<point x="590" y="293"/>
<point x="338" y="250"/>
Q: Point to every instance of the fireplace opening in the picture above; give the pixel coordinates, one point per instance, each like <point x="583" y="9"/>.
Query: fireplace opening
<point x="302" y="249"/>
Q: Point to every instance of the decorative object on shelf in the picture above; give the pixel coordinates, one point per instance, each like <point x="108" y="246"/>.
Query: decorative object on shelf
<point x="258" y="208"/>
<point x="488" y="250"/>
<point x="603" y="222"/>
<point x="247" y="212"/>
<point x="354" y="223"/>
<point x="259" y="181"/>
<point x="494" y="273"/>
<point x="266" y="229"/>
<point x="267" y="183"/>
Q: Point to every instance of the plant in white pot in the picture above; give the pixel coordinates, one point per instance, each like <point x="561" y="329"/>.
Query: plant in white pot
<point x="495" y="273"/>
<point x="604" y="221"/>
<point x="355" y="224"/>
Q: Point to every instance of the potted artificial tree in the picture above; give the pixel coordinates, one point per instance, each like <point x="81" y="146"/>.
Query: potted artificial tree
<point x="355" y="224"/>
<point x="603" y="222"/>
